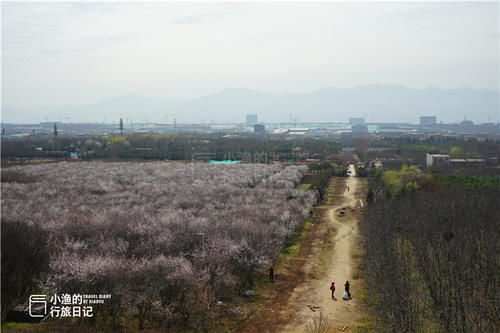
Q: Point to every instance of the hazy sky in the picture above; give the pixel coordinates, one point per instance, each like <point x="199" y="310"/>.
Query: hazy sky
<point x="78" y="52"/>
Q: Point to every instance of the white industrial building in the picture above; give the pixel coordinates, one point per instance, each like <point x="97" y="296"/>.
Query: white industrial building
<point x="436" y="159"/>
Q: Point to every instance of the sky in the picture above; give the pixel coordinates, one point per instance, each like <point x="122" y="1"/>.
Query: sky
<point x="83" y="52"/>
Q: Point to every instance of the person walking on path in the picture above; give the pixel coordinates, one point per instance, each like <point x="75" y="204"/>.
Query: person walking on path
<point x="347" y="286"/>
<point x="271" y="274"/>
<point x="332" y="288"/>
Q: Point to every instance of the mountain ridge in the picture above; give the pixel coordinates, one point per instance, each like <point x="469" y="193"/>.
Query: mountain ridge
<point x="376" y="102"/>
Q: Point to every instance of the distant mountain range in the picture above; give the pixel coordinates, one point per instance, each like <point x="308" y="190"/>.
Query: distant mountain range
<point x="378" y="103"/>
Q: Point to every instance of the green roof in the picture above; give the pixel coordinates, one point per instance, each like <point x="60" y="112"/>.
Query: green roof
<point x="225" y="162"/>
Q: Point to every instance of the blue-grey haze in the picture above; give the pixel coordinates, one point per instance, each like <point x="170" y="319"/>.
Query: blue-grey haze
<point x="378" y="103"/>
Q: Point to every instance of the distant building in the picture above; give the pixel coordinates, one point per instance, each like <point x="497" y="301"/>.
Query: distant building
<point x="359" y="129"/>
<point x="252" y="119"/>
<point x="259" y="129"/>
<point x="298" y="131"/>
<point x="467" y="162"/>
<point x="467" y="123"/>
<point x="493" y="161"/>
<point x="280" y="131"/>
<point x="428" y="121"/>
<point x="391" y="164"/>
<point x="475" y="162"/>
<point x="436" y="159"/>
<point x="458" y="162"/>
<point x="356" y="121"/>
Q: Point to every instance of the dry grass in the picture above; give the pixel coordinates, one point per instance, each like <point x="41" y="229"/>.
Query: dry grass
<point x="326" y="253"/>
<point x="319" y="324"/>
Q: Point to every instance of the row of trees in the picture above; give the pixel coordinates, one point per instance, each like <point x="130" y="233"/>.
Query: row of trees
<point x="166" y="240"/>
<point x="324" y="172"/>
<point x="415" y="150"/>
<point x="431" y="260"/>
<point x="168" y="146"/>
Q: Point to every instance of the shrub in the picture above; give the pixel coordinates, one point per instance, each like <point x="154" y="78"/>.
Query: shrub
<point x="25" y="260"/>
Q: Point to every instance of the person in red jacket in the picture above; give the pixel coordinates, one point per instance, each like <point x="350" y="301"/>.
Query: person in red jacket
<point x="271" y="274"/>
<point x="332" y="288"/>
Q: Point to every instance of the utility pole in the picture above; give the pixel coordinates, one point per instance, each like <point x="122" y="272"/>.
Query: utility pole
<point x="121" y="126"/>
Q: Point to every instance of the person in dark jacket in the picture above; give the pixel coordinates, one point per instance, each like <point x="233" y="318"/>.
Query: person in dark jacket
<point x="332" y="288"/>
<point x="347" y="286"/>
<point x="271" y="274"/>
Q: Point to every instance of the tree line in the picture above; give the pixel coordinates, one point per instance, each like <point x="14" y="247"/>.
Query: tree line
<point x="431" y="260"/>
<point x="168" y="146"/>
<point x="324" y="171"/>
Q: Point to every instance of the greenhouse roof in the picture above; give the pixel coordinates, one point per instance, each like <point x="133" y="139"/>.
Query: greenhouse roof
<point x="225" y="162"/>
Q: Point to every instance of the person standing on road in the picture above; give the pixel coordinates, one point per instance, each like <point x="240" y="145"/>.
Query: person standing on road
<point x="347" y="286"/>
<point x="332" y="288"/>
<point x="271" y="274"/>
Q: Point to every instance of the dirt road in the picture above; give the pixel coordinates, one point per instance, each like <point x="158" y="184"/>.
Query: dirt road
<point x="291" y="310"/>
<point x="341" y="314"/>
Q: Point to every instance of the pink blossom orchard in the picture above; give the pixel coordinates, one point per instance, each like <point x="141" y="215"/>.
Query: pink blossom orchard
<point x="153" y="233"/>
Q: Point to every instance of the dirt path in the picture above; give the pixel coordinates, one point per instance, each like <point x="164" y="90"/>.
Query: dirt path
<point x="290" y="310"/>
<point x="341" y="314"/>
